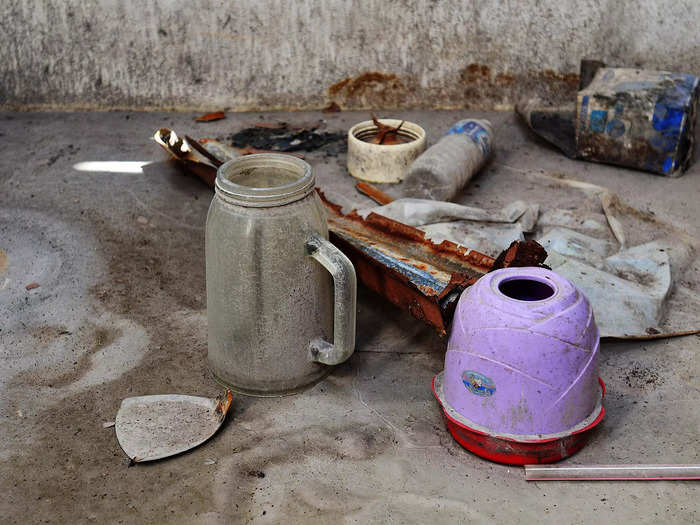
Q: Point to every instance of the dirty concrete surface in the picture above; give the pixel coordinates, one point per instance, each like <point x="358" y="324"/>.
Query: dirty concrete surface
<point x="210" y="54"/>
<point x="120" y="311"/>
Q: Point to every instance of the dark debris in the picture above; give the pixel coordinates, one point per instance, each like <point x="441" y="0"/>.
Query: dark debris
<point x="642" y="377"/>
<point x="285" y="138"/>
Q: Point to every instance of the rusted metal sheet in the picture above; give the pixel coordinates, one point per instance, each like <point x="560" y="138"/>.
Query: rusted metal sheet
<point x="399" y="263"/>
<point x="521" y="253"/>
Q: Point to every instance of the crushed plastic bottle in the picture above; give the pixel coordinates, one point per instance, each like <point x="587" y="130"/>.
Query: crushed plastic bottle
<point x="444" y="169"/>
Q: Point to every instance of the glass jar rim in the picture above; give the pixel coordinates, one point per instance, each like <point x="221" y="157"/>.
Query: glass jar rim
<point x="253" y="196"/>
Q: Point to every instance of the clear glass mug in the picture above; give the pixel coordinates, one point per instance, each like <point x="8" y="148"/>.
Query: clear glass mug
<point x="277" y="290"/>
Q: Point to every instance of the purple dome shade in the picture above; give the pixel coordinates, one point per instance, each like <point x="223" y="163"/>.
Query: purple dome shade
<point x="522" y="357"/>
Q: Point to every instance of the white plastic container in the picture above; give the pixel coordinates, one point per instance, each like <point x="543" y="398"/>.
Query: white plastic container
<point x="383" y="162"/>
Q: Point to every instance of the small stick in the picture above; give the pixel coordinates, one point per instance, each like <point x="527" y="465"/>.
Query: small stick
<point x="392" y="130"/>
<point x="201" y="149"/>
<point x="650" y="337"/>
<point x="610" y="472"/>
<point x="383" y="130"/>
<point x="373" y="193"/>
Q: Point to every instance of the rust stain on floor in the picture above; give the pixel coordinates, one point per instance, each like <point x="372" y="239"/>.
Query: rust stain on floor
<point x="4" y="262"/>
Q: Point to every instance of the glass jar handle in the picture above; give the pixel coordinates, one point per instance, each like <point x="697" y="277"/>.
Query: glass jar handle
<point x="345" y="283"/>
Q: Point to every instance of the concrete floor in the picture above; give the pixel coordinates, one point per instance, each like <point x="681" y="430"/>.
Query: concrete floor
<point x="120" y="311"/>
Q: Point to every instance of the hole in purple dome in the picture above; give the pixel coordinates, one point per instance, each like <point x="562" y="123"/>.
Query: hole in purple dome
<point x="524" y="289"/>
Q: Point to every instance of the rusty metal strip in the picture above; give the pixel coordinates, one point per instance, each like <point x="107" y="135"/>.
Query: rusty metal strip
<point x="373" y="192"/>
<point x="400" y="264"/>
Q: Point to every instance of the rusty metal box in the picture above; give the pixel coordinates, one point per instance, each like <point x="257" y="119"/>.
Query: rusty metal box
<point x="639" y="119"/>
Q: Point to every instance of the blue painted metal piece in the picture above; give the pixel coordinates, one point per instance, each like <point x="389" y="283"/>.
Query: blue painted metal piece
<point x="640" y="119"/>
<point x="418" y="277"/>
<point x="431" y="283"/>
<point x="598" y="119"/>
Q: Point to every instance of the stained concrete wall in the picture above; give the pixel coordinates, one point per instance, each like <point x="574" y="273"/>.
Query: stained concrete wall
<point x="264" y="54"/>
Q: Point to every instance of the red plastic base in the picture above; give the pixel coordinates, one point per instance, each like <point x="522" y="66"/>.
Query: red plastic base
<point x="514" y="452"/>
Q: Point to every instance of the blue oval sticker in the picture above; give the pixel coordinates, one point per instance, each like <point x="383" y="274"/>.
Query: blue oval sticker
<point x="478" y="383"/>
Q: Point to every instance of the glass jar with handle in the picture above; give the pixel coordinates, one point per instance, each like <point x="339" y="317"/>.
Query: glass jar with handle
<point x="280" y="297"/>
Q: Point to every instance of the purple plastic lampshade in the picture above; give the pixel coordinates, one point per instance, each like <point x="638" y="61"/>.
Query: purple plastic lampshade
<point x="522" y="358"/>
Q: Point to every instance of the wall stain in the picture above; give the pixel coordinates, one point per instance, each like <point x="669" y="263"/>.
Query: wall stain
<point x="475" y="86"/>
<point x="484" y="90"/>
<point x="370" y="90"/>
<point x="505" y="79"/>
<point x="475" y="71"/>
